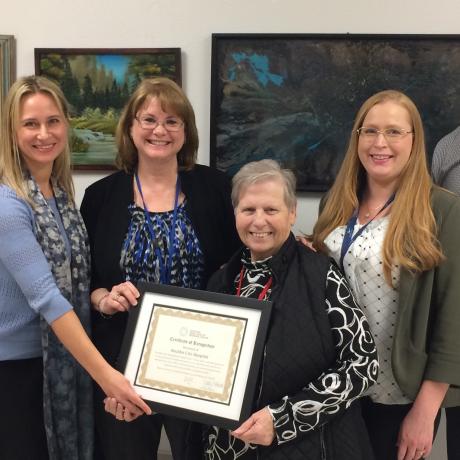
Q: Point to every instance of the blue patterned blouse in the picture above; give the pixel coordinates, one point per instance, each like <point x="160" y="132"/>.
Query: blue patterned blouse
<point x="140" y="255"/>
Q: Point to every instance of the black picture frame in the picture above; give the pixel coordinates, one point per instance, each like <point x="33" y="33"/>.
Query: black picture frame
<point x="158" y="352"/>
<point x="293" y="97"/>
<point x="97" y="83"/>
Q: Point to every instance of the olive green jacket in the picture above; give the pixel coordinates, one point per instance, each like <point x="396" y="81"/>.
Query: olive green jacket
<point x="427" y="337"/>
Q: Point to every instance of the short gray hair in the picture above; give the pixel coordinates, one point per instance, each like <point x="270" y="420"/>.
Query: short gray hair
<point x="264" y="170"/>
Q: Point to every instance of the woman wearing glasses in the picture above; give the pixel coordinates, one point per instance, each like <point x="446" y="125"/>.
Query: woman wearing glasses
<point x="396" y="237"/>
<point x="161" y="218"/>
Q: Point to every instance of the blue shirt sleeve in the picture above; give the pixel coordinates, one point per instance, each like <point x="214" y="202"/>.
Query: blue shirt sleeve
<point x="23" y="259"/>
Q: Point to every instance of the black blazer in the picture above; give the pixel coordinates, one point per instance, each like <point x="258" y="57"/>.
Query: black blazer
<point x="105" y="212"/>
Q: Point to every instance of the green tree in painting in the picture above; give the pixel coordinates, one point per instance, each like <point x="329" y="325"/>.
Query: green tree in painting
<point x="70" y="87"/>
<point x="115" y="99"/>
<point x="57" y="67"/>
<point x="87" y="94"/>
<point x="125" y="92"/>
<point x="134" y="81"/>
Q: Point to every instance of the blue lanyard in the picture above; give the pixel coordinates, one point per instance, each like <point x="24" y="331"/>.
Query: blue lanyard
<point x="165" y="266"/>
<point x="349" y="238"/>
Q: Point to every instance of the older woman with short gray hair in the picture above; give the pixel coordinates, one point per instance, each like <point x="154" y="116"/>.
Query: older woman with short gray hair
<point x="319" y="354"/>
<point x="264" y="170"/>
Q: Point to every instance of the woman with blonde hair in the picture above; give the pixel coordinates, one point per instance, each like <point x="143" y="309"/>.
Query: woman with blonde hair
<point x="395" y="235"/>
<point x="44" y="288"/>
<point x="162" y="218"/>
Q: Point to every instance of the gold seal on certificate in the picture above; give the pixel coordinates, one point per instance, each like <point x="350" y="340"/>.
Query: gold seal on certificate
<point x="195" y="354"/>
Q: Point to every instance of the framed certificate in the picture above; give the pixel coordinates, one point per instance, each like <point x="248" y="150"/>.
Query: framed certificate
<point x="195" y="354"/>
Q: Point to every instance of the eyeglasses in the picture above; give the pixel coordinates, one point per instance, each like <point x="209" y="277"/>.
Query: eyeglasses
<point x="170" y="124"/>
<point x="391" y="134"/>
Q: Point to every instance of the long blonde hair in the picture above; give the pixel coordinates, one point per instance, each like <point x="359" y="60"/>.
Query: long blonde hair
<point x="12" y="166"/>
<point x="411" y="239"/>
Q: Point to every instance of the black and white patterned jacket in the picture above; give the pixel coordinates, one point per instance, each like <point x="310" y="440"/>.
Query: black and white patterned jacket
<point x="320" y="358"/>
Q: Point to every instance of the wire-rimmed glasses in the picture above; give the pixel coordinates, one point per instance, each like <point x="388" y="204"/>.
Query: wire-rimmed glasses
<point x="171" y="124"/>
<point x="390" y="134"/>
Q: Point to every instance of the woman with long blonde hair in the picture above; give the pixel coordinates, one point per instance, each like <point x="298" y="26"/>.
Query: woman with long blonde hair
<point x="395" y="236"/>
<point x="45" y="396"/>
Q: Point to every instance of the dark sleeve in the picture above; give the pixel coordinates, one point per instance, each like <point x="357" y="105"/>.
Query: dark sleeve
<point x="354" y="371"/>
<point x="443" y="364"/>
<point x="89" y="209"/>
<point x="437" y="161"/>
<point x="208" y="193"/>
<point x="232" y="241"/>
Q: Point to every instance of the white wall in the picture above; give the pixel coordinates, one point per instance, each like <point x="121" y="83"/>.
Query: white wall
<point x="188" y="24"/>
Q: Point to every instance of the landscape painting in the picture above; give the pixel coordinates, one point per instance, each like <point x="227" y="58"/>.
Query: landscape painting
<point x="97" y="83"/>
<point x="293" y="97"/>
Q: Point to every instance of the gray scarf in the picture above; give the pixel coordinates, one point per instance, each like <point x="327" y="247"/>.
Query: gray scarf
<point x="67" y="388"/>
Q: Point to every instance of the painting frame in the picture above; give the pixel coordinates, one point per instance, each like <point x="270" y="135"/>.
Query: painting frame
<point x="305" y="122"/>
<point x="97" y="82"/>
<point x="7" y="64"/>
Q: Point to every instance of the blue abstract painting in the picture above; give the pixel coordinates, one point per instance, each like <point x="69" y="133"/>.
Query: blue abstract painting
<point x="293" y="97"/>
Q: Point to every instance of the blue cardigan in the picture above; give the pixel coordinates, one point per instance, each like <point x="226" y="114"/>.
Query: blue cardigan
<point x="27" y="287"/>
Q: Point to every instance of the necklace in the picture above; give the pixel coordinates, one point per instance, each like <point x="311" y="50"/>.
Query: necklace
<point x="378" y="208"/>
<point x="349" y="238"/>
<point x="372" y="210"/>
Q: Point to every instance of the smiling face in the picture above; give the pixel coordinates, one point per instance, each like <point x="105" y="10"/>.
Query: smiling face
<point x="156" y="144"/>
<point x="41" y="132"/>
<point x="263" y="220"/>
<point x="383" y="160"/>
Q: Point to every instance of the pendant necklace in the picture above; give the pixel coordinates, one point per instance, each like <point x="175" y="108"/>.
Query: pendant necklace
<point x="349" y="237"/>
